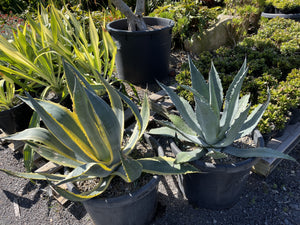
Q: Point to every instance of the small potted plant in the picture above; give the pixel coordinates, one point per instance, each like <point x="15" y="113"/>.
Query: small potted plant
<point x="289" y="9"/>
<point x="34" y="54"/>
<point x="14" y="114"/>
<point x="89" y="139"/>
<point x="209" y="131"/>
<point x="143" y="44"/>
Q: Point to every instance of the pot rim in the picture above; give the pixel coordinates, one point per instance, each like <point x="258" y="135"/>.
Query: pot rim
<point x="169" y="24"/>
<point x="221" y="168"/>
<point x="123" y="199"/>
<point x="282" y="15"/>
<point x="15" y="107"/>
<point x="134" y="196"/>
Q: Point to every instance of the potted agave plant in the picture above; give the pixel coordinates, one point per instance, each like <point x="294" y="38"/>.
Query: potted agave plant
<point x="143" y="44"/>
<point x="89" y="140"/>
<point x="210" y="133"/>
<point x="14" y="115"/>
<point x="289" y="9"/>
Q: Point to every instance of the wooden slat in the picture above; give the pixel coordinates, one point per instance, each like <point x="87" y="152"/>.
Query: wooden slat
<point x="157" y="96"/>
<point x="16" y="146"/>
<point x="167" y="104"/>
<point x="57" y="196"/>
<point x="49" y="167"/>
<point x="284" y="144"/>
<point x="161" y="94"/>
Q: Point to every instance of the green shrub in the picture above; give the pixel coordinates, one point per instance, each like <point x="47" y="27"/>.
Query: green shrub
<point x="285" y="97"/>
<point x="13" y="6"/>
<point x="190" y="17"/>
<point x="279" y="33"/>
<point x="284" y="5"/>
<point x="246" y="17"/>
<point x="21" y="6"/>
<point x="99" y="17"/>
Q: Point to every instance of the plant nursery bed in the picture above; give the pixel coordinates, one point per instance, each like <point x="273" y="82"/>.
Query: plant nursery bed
<point x="270" y="199"/>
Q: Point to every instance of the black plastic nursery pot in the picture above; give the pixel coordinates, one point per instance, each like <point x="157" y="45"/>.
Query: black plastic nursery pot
<point x="15" y="119"/>
<point x="136" y="208"/>
<point x="271" y="12"/>
<point x="216" y="186"/>
<point x="142" y="56"/>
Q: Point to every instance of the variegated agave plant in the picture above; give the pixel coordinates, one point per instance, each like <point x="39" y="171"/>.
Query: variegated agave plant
<point x="89" y="138"/>
<point x="207" y="126"/>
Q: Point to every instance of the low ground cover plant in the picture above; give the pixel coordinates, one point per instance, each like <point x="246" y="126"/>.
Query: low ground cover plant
<point x="285" y="6"/>
<point x="272" y="55"/>
<point x="246" y="16"/>
<point x="190" y="17"/>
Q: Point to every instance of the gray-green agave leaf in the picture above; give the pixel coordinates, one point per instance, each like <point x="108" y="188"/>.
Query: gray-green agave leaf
<point x="215" y="122"/>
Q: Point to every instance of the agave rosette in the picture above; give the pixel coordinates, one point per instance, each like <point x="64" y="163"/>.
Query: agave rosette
<point x="89" y="138"/>
<point x="213" y="125"/>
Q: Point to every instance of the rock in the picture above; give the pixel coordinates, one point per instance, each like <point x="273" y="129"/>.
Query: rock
<point x="212" y="38"/>
<point x="295" y="206"/>
<point x="287" y="222"/>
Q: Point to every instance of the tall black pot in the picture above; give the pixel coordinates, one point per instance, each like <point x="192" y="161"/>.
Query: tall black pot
<point x="216" y="186"/>
<point x="15" y="119"/>
<point x="142" y="56"/>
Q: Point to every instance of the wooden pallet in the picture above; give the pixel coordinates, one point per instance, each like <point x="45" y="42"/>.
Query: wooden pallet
<point x="13" y="145"/>
<point x="284" y="144"/>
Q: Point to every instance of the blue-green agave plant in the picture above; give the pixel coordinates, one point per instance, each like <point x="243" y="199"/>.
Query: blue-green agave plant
<point x="89" y="138"/>
<point x="214" y="123"/>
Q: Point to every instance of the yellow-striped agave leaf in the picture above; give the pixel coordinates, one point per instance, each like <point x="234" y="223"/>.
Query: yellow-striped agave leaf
<point x="89" y="138"/>
<point x="96" y="117"/>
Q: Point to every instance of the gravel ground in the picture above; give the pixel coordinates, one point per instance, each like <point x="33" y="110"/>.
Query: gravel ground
<point x="272" y="200"/>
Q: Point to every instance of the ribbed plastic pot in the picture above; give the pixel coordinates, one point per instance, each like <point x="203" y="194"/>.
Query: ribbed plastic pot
<point x="282" y="15"/>
<point x="137" y="208"/>
<point x="142" y="56"/>
<point x="216" y="186"/>
<point x="15" y="119"/>
<point x="271" y="12"/>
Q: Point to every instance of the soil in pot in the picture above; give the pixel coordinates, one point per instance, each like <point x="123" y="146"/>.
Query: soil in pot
<point x="118" y="186"/>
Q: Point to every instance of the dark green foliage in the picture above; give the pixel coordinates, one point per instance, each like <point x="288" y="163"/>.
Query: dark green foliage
<point x="14" y="6"/>
<point x="285" y="6"/>
<point x="100" y="17"/>
<point x="190" y="17"/>
<point x="271" y="64"/>
<point x="246" y="17"/>
<point x="278" y="33"/>
<point x="20" y="6"/>
<point x="285" y="97"/>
